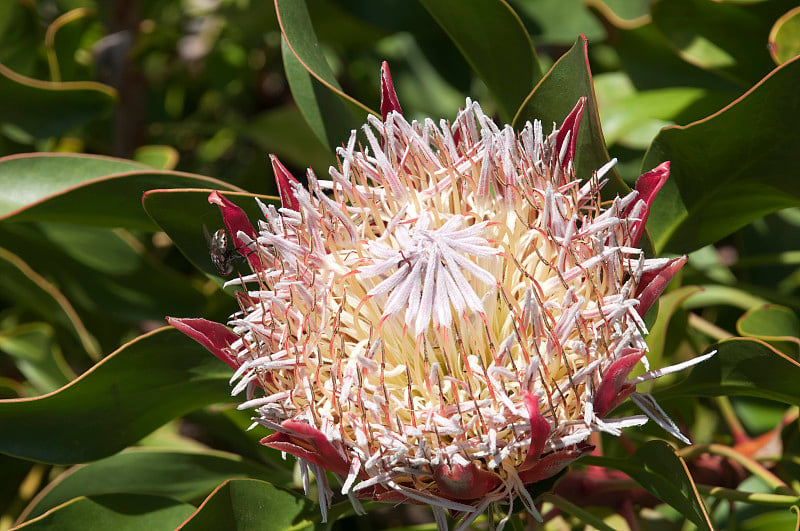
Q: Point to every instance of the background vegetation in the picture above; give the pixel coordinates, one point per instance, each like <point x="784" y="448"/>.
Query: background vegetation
<point x="108" y="418"/>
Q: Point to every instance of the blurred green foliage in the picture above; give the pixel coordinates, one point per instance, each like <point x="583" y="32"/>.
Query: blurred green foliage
<point x="193" y="95"/>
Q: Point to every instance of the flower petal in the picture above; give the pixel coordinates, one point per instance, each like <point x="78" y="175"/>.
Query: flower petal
<point x="307" y="442"/>
<point x="551" y="464"/>
<point x="648" y="185"/>
<point x="464" y="482"/>
<point x="389" y="101"/>
<point x="654" y="282"/>
<point x="571" y="125"/>
<point x="216" y="337"/>
<point x="613" y="388"/>
<point x="285" y="182"/>
<point x="540" y="430"/>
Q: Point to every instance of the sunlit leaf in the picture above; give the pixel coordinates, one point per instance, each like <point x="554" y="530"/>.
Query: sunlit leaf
<point x="784" y="38"/>
<point x="85" y="189"/>
<point x="492" y="21"/>
<point x="742" y="366"/>
<point x="716" y="187"/>
<point x="553" y="99"/>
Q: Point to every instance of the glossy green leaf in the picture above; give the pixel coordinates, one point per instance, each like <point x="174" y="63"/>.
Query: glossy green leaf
<point x="552" y="100"/>
<point x="182" y="476"/>
<point x="657" y="468"/>
<point x="121" y="512"/>
<point x="497" y="46"/>
<point x="557" y="22"/>
<point x="24" y="286"/>
<point x="745" y="367"/>
<point x="784" y="38"/>
<point x="730" y="168"/>
<point x="35" y="356"/>
<point x="284" y="132"/>
<point x="84" y="189"/>
<point x="329" y="112"/>
<point x="719" y="36"/>
<point x="103" y="272"/>
<point x="146" y="383"/>
<point x="182" y="214"/>
<point x="42" y="109"/>
<point x="247" y="504"/>
<point x="777" y="325"/>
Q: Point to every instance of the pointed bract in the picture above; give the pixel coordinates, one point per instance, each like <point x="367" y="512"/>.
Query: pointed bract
<point x="305" y="442"/>
<point x="215" y="337"/>
<point x="613" y="388"/>
<point x="570" y="127"/>
<point x="236" y="221"/>
<point x="286" y="183"/>
<point x="389" y="101"/>
<point x="653" y="283"/>
<point x="648" y="185"/>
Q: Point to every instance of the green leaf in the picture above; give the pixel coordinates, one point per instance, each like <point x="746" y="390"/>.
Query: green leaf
<point x="43" y="109"/>
<point x="121" y="512"/>
<point x="553" y="99"/>
<point x="25" y="287"/>
<point x="719" y="36"/>
<point x="329" y="112"/>
<point x="247" y="504"/>
<point x="493" y="40"/>
<point x="181" y="476"/>
<point x="182" y="214"/>
<point x="657" y="468"/>
<point x="85" y="189"/>
<point x="784" y="38"/>
<point x="746" y="172"/>
<point x="35" y="356"/>
<point x="146" y="383"/>
<point x="777" y="325"/>
<point x="668" y="304"/>
<point x="103" y="272"/>
<point x="742" y="367"/>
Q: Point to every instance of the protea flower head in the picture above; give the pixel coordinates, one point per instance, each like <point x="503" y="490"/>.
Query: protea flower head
<point x="449" y="317"/>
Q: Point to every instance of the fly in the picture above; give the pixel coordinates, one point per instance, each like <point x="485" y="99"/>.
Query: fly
<point x="221" y="256"/>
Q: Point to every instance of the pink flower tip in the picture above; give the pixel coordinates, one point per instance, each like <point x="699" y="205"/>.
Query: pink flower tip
<point x="389" y="101"/>
<point x="213" y="336"/>
<point x="285" y="182"/>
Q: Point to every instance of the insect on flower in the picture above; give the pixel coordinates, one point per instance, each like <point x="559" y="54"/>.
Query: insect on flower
<point x="221" y="255"/>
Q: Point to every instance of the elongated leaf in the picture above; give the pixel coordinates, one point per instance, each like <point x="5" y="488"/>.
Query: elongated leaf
<point x="247" y="504"/>
<point x="657" y="468"/>
<point x="182" y="476"/>
<point x="31" y="347"/>
<point x="784" y="37"/>
<point x="742" y="367"/>
<point x="146" y="383"/>
<point x="22" y="285"/>
<point x="495" y="43"/>
<point x="84" y="189"/>
<point x="182" y="214"/>
<point x="729" y="169"/>
<point x="777" y="325"/>
<point x="329" y="112"/>
<point x="128" y="512"/>
<point x="720" y="35"/>
<point x="553" y="99"/>
<point x="43" y="109"/>
<point x="667" y="306"/>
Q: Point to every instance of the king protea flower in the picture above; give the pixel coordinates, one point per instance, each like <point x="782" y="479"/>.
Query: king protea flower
<point x="449" y="317"/>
